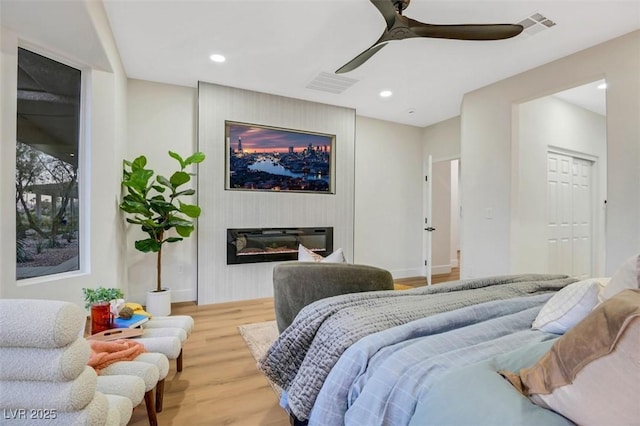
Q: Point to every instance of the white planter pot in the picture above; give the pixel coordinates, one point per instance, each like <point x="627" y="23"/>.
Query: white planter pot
<point x="159" y="302"/>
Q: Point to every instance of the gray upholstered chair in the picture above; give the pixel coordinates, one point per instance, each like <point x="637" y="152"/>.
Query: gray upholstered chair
<point x="297" y="284"/>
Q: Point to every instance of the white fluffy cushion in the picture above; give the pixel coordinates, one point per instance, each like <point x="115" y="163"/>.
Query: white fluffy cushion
<point x="56" y="324"/>
<point x="627" y="276"/>
<point x="568" y="307"/>
<point x="147" y="372"/>
<point x="45" y="364"/>
<point x="131" y="387"/>
<point x="306" y="255"/>
<point x="123" y="407"/>
<point x="71" y="395"/>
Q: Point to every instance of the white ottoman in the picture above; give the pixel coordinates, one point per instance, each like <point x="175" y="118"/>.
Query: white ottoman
<point x="184" y="322"/>
<point x="173" y="332"/>
<point x="147" y="372"/>
<point x="131" y="387"/>
<point x="162" y="363"/>
<point x="179" y="326"/>
<point x="165" y="332"/>
<point x="127" y="387"/>
<point x="166" y="342"/>
<point x="123" y="406"/>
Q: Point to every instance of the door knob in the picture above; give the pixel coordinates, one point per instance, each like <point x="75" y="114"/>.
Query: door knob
<point x="430" y="229"/>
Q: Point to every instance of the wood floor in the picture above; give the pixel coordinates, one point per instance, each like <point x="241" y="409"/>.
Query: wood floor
<point x="219" y="383"/>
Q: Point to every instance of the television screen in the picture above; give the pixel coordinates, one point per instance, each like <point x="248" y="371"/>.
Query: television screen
<point x="265" y="158"/>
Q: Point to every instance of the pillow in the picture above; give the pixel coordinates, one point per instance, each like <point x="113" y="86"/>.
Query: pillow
<point x="568" y="307"/>
<point x="627" y="276"/>
<point x="590" y="375"/>
<point x="306" y="255"/>
<point x="602" y="282"/>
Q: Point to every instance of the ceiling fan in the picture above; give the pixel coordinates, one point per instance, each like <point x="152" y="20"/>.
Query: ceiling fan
<point x="400" y="27"/>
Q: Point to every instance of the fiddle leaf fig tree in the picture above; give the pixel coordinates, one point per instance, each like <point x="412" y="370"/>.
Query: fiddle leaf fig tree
<point x="154" y="203"/>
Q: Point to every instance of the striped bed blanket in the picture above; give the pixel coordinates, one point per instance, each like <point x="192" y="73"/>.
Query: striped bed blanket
<point x="304" y="354"/>
<point x="382" y="378"/>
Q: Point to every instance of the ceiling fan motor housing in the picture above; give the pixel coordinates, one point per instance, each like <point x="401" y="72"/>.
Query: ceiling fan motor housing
<point x="401" y="5"/>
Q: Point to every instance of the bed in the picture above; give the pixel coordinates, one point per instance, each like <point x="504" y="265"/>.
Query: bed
<point x="431" y="355"/>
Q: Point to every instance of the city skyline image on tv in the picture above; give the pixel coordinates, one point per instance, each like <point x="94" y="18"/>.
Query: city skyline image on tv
<point x="266" y="158"/>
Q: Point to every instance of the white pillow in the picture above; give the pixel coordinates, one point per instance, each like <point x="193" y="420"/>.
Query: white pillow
<point x="306" y="255"/>
<point x="602" y="282"/>
<point x="568" y="307"/>
<point x="627" y="276"/>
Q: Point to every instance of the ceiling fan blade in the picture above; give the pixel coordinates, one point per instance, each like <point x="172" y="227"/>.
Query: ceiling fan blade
<point x="361" y="58"/>
<point x="466" y="31"/>
<point x="387" y="10"/>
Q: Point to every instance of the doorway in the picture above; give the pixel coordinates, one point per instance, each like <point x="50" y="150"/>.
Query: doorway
<point x="443" y="219"/>
<point x="559" y="183"/>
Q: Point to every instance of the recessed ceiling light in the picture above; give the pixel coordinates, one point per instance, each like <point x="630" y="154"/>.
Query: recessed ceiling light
<point x="602" y="86"/>
<point x="386" y="93"/>
<point x="217" y="58"/>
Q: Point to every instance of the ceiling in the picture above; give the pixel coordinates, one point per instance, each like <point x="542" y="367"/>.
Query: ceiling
<point x="591" y="96"/>
<point x="281" y="46"/>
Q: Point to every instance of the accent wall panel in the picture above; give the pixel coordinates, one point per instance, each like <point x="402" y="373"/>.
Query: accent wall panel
<point x="223" y="209"/>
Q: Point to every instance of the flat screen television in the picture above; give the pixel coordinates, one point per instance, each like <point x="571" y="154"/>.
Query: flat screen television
<point x="267" y="158"/>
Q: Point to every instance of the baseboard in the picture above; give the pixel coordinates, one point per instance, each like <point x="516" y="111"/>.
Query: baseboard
<point x="185" y="295"/>
<point x="407" y="273"/>
<point x="440" y="269"/>
<point x="419" y="272"/>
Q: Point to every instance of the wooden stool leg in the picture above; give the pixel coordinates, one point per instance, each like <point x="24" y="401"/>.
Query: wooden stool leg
<point x="151" y="411"/>
<point x="179" y="361"/>
<point x="159" y="395"/>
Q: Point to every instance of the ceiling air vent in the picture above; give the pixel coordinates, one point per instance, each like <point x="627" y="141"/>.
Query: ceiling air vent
<point x="332" y="83"/>
<point x="536" y="23"/>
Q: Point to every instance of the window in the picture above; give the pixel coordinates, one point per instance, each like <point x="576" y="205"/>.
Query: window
<point x="47" y="196"/>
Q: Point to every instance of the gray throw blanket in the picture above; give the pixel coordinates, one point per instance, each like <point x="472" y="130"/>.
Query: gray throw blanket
<point x="302" y="357"/>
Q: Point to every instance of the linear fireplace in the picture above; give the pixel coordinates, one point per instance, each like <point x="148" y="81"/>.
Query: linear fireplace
<point x="253" y="245"/>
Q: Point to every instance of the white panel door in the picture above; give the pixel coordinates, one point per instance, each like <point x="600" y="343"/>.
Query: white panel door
<point x="569" y="215"/>
<point x="582" y="221"/>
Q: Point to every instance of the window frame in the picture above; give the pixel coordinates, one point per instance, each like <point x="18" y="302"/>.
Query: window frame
<point x="83" y="156"/>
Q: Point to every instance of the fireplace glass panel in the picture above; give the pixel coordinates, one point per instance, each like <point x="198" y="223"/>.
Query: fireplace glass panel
<point x="251" y="245"/>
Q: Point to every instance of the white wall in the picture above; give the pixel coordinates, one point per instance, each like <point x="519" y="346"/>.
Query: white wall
<point x="8" y="109"/>
<point x="486" y="134"/>
<point x="388" y="197"/>
<point x="442" y="140"/>
<point x="222" y="209"/>
<point x="162" y="118"/>
<point x="106" y="140"/>
<point x="543" y="123"/>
